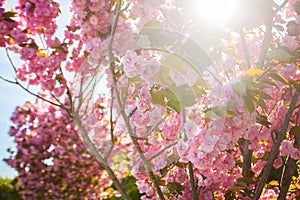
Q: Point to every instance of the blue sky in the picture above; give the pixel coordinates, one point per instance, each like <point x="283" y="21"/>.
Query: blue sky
<point x="12" y="96"/>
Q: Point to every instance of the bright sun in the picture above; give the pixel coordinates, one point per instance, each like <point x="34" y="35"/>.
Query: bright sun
<point x="217" y="11"/>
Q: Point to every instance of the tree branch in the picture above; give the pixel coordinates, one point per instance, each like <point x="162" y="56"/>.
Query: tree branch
<point x="16" y="82"/>
<point x="288" y="171"/>
<point x="245" y="49"/>
<point x="247" y="157"/>
<point x="274" y="152"/>
<point x="190" y="167"/>
<point x="112" y="138"/>
<point x="93" y="150"/>
<point x="120" y="104"/>
<point x="266" y="42"/>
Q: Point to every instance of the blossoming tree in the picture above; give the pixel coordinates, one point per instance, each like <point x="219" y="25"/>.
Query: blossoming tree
<point x="153" y="92"/>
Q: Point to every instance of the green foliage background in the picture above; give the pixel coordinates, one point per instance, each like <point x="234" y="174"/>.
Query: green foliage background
<point x="8" y="189"/>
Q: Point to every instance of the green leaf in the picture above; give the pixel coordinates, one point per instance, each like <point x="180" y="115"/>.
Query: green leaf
<point x="249" y="104"/>
<point x="164" y="171"/>
<point x="263" y="120"/>
<point x="278" y="77"/>
<point x="163" y="77"/>
<point x="280" y="55"/>
<point x="152" y="30"/>
<point x="148" y="26"/>
<point x="264" y="95"/>
<point x="195" y="54"/>
<point x="199" y="88"/>
<point x="119" y="158"/>
<point x="175" y="187"/>
<point x="158" y="98"/>
<point x="216" y="112"/>
<point x="129" y="184"/>
<point x="173" y="62"/>
<point x="220" y="112"/>
<point x="230" y="105"/>
<point x="175" y="106"/>
<point x="172" y="158"/>
<point x="230" y="193"/>
<point x="230" y="114"/>
<point x="260" y="102"/>
<point x="183" y="94"/>
<point x="143" y="41"/>
<point x="172" y="99"/>
<point x="186" y="95"/>
<point x="235" y="189"/>
<point x="8" y="15"/>
<point x="161" y="182"/>
<point x="246" y="180"/>
<point x="180" y="165"/>
<point x="268" y="82"/>
<point x="295" y="130"/>
<point x="240" y="88"/>
<point x="209" y="113"/>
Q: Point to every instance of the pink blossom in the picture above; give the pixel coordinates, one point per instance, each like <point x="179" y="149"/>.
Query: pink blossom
<point x="142" y="186"/>
<point x="296" y="154"/>
<point x="155" y="115"/>
<point x="191" y="129"/>
<point x="140" y="118"/>
<point x="133" y="64"/>
<point x="177" y="78"/>
<point x="269" y="194"/>
<point x="208" y="144"/>
<point x="150" y="71"/>
<point x="93" y="20"/>
<point x="191" y="75"/>
<point x="182" y="149"/>
<point x="144" y="101"/>
<point x="289" y="42"/>
<point x="144" y="94"/>
<point x="278" y="162"/>
<point x="194" y="155"/>
<point x="286" y="148"/>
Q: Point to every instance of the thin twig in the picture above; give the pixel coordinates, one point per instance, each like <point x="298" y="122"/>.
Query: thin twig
<point x="10" y="60"/>
<point x="112" y="138"/>
<point x="7" y="80"/>
<point x="162" y="150"/>
<point x="16" y="82"/>
<point x="69" y="94"/>
<point x="154" y="127"/>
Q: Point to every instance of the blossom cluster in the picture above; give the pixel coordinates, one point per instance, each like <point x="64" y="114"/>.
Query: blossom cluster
<point x="47" y="145"/>
<point x="163" y="116"/>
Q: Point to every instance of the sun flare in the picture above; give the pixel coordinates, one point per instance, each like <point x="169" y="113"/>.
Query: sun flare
<point x="217" y="11"/>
